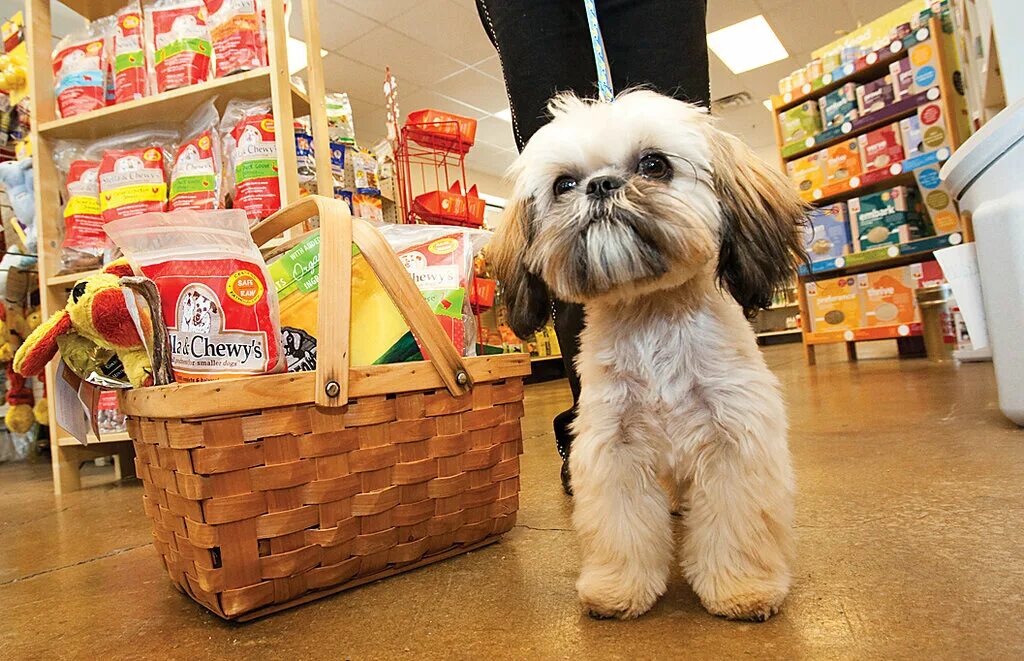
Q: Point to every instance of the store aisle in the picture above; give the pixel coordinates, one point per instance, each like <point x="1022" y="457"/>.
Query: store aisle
<point x="909" y="547"/>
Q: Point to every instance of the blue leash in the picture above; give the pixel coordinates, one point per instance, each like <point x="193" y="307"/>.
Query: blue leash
<point x="604" y="71"/>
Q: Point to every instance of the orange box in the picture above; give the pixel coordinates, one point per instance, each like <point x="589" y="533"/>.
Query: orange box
<point x="807" y="173"/>
<point x="887" y="297"/>
<point x="842" y="161"/>
<point x="833" y="304"/>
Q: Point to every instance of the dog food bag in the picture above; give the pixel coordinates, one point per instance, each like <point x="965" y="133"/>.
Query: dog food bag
<point x="84" y="237"/>
<point x="196" y="172"/>
<point x="80" y="69"/>
<point x="248" y="134"/>
<point x="218" y="300"/>
<point x="131" y="79"/>
<point x="237" y="34"/>
<point x="132" y="175"/>
<point x="340" y="126"/>
<point x="178" y="43"/>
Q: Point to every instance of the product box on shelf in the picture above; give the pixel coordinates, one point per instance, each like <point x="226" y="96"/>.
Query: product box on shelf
<point x="808" y="173"/>
<point x="875" y="95"/>
<point x="881" y="148"/>
<point x="902" y="78"/>
<point x="839" y="106"/>
<point x="800" y="123"/>
<point x="885" y="218"/>
<point x="927" y="274"/>
<point x="833" y="304"/>
<point x="910" y="136"/>
<point x="842" y="161"/>
<point x="828" y="232"/>
<point x="887" y="297"/>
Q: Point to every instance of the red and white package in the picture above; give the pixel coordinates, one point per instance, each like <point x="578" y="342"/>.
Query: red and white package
<point x="196" y="172"/>
<point x="132" y="176"/>
<point x="131" y="78"/>
<point x="80" y="67"/>
<point x="84" y="238"/>
<point x="248" y="132"/>
<point x="178" y="43"/>
<point x="237" y="35"/>
<point x="222" y="316"/>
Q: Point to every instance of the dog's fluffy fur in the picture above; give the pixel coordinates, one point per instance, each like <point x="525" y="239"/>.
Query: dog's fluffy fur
<point x="673" y="383"/>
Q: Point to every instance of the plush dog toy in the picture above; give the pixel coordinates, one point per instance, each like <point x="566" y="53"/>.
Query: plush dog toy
<point x="96" y="314"/>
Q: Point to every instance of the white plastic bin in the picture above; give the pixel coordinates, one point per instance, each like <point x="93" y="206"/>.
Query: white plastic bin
<point x="986" y="175"/>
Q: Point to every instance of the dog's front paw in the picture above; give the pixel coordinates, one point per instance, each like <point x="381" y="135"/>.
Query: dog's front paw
<point x="752" y="606"/>
<point x="609" y="594"/>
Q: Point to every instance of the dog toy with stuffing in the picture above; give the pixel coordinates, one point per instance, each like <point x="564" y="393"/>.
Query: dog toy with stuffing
<point x="96" y="315"/>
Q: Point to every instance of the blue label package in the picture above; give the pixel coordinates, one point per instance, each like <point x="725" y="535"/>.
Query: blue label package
<point x="828" y="233"/>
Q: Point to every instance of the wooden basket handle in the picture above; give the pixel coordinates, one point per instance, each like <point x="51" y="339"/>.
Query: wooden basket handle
<point x="338" y="230"/>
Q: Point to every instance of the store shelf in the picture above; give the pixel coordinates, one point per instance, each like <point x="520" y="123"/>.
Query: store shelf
<point x="892" y="113"/>
<point x="873" y="180"/>
<point x="779" y="333"/>
<point x="116" y="437"/>
<point x="541" y="359"/>
<point x="870" y="260"/>
<point x="93" y="9"/>
<point x="865" y="334"/>
<point x="784" y="306"/>
<point x="171" y="106"/>
<point x="871" y="66"/>
<point x="68" y="279"/>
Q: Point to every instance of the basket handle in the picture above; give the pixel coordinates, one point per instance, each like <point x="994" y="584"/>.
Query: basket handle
<point x="338" y="230"/>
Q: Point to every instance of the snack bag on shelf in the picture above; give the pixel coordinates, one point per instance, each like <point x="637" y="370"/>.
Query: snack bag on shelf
<point x="131" y="78"/>
<point x="177" y="43"/>
<point x="248" y="134"/>
<point x="196" y="172"/>
<point x="887" y="297"/>
<point x="365" y="171"/>
<point x="338" y="165"/>
<point x="800" y="123"/>
<point x="80" y="68"/>
<point x="842" y="161"/>
<point x="84" y="238"/>
<point x="340" y="125"/>
<point x="881" y="148"/>
<point x="237" y="34"/>
<point x="109" y="418"/>
<point x="133" y="176"/>
<point x="218" y="300"/>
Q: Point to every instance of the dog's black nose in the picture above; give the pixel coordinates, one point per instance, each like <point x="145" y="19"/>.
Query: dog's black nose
<point x="603" y="186"/>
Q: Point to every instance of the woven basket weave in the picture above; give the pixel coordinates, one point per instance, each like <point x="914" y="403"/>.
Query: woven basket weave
<point x="267" y="492"/>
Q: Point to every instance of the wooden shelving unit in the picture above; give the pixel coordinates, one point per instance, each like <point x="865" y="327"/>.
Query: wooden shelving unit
<point x="272" y="81"/>
<point x="928" y="46"/>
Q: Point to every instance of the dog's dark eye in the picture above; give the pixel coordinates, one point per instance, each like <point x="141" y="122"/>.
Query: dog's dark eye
<point x="564" y="184"/>
<point x="653" y="166"/>
<point x="78" y="291"/>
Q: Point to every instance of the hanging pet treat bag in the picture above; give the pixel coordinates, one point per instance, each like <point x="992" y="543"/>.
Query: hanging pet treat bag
<point x="196" y="172"/>
<point x="237" y="36"/>
<point x="178" y="43"/>
<point x="248" y="134"/>
<point x="218" y="302"/>
<point x="132" y="174"/>
<point x="84" y="238"/>
<point x="340" y="126"/>
<point x="80" y="70"/>
<point x="129" y="61"/>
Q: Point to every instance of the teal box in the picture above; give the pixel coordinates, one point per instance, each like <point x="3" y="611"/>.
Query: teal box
<point x="839" y="106"/>
<point x="886" y="218"/>
<point x="800" y="123"/>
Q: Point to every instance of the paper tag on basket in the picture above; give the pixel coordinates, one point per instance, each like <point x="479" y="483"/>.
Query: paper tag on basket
<point x="71" y="415"/>
<point x="960" y="266"/>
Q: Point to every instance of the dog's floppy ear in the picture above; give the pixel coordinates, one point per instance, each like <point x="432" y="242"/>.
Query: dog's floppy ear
<point x="523" y="293"/>
<point x="763" y="220"/>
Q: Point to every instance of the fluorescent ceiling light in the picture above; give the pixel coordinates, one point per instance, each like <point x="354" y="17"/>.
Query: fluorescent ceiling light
<point x="767" y="103"/>
<point x="504" y="115"/>
<point x="747" y="45"/>
<point x="297" y="59"/>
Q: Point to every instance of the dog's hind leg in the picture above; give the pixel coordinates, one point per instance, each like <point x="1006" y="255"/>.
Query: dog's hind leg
<point x="621" y="513"/>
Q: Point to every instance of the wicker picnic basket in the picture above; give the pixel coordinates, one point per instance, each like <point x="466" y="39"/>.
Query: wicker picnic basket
<point x="271" y="491"/>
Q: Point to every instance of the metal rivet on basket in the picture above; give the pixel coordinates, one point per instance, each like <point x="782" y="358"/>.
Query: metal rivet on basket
<point x="332" y="389"/>
<point x="461" y="378"/>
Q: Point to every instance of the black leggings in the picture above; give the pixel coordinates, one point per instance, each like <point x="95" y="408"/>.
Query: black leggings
<point x="545" y="47"/>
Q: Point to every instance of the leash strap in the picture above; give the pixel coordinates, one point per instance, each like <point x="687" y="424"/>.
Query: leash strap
<point x="604" y="71"/>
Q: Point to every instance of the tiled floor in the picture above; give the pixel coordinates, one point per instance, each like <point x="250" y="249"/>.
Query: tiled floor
<point x="910" y="518"/>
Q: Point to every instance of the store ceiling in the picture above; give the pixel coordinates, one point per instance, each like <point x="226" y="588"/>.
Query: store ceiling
<point x="443" y="59"/>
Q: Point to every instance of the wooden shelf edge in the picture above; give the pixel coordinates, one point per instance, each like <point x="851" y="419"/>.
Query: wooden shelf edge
<point x="66" y="279"/>
<point x="778" y="333"/>
<point x="894" y="332"/>
<point x="106" y="439"/>
<point x="541" y="359"/>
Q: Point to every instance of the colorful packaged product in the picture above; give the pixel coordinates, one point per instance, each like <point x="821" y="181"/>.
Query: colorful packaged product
<point x="84" y="238"/>
<point x="833" y="304"/>
<point x="902" y="79"/>
<point x="132" y="174"/>
<point x="800" y="123"/>
<point x="338" y="165"/>
<point x="887" y="297"/>
<point x="218" y="300"/>
<point x="80" y="67"/>
<point x="365" y="171"/>
<point x="842" y="161"/>
<point x="368" y="207"/>
<point x="839" y="106"/>
<point x="178" y="43"/>
<point x="911" y="136"/>
<point x="248" y="134"/>
<point x="196" y="173"/>
<point x="828" y="234"/>
<point x="888" y="217"/>
<point x="875" y="95"/>
<point x="131" y="79"/>
<point x="237" y="36"/>
<point x="881" y="148"/>
<point x="305" y="159"/>
<point x="807" y="172"/>
<point x="927" y="274"/>
<point x="340" y="125"/>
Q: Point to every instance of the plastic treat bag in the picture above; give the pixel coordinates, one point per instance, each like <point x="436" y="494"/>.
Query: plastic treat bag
<point x="196" y="173"/>
<point x="84" y="237"/>
<point x="177" y="43"/>
<point x="338" y="166"/>
<point x="80" y="67"/>
<point x="131" y="79"/>
<point x="237" y="35"/>
<point x="218" y="301"/>
<point x="248" y="134"/>
<point x="340" y="125"/>
<point x="305" y="159"/>
<point x="132" y="175"/>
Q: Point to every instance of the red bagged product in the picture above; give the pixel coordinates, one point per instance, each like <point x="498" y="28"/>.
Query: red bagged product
<point x="237" y="35"/>
<point x="196" y="172"/>
<point x="221" y="315"/>
<point x="178" y="43"/>
<point x="132" y="174"/>
<point x="129" y="61"/>
<point x="80" y="66"/>
<point x="250" y="148"/>
<point x="84" y="237"/>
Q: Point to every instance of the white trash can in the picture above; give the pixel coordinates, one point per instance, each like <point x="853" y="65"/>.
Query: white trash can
<point x="986" y="175"/>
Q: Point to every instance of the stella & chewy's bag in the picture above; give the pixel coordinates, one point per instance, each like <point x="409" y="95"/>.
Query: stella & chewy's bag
<point x="248" y="133"/>
<point x="218" y="301"/>
<point x="196" y="171"/>
<point x="131" y="79"/>
<point x="84" y="238"/>
<point x="238" y="39"/>
<point x="132" y="174"/>
<point x="80" y="69"/>
<point x="177" y="43"/>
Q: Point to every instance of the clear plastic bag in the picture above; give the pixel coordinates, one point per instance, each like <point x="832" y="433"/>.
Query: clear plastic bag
<point x="133" y="171"/>
<point x="81" y="249"/>
<point x="80" y="68"/>
<point x="239" y="40"/>
<point x="248" y="132"/>
<point x="131" y="76"/>
<point x="178" y="43"/>
<point x="197" y="174"/>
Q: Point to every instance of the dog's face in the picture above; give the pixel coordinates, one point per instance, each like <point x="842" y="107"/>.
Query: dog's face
<point x="623" y="199"/>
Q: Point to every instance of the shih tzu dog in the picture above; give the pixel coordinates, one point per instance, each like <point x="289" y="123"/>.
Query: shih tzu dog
<point x="669" y="230"/>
